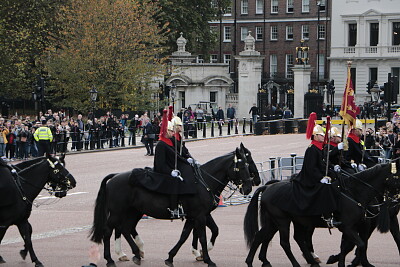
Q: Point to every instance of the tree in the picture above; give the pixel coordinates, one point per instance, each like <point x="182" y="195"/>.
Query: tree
<point x="112" y="45"/>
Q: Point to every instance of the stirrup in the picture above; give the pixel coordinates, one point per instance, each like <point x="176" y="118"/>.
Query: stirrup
<point x="331" y="223"/>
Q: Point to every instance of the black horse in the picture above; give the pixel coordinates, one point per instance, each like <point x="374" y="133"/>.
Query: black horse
<point x="360" y="188"/>
<point x="120" y="205"/>
<point x="29" y="178"/>
<point x="189" y="224"/>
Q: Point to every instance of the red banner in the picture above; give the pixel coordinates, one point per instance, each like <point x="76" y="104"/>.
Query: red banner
<point x="349" y="109"/>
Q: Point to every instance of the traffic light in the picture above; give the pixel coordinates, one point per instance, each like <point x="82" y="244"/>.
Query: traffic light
<point x="387" y="94"/>
<point x="370" y="84"/>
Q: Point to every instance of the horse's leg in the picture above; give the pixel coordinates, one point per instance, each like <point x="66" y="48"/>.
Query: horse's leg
<point x="200" y="226"/>
<point x="2" y="233"/>
<point x="187" y="228"/>
<point x="24" y="251"/>
<point x="365" y="231"/>
<point x="106" y="242"/>
<point x="302" y="238"/>
<point x="264" y="236"/>
<point x="25" y="229"/>
<point x="126" y="232"/>
<point x="394" y="229"/>
<point x="210" y="245"/>
<point x="284" y="232"/>
<point x="118" y="247"/>
<point x="352" y="236"/>
<point x="138" y="240"/>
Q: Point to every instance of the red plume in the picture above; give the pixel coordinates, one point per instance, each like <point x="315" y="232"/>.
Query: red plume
<point x="164" y="123"/>
<point x="170" y="112"/>
<point x="311" y="124"/>
<point x="328" y="128"/>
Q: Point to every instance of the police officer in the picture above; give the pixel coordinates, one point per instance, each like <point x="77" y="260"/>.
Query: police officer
<point x="43" y="137"/>
<point x="355" y="154"/>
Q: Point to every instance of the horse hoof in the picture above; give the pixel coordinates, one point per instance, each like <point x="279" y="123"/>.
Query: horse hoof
<point x="199" y="258"/>
<point x="315" y="265"/>
<point x="123" y="258"/>
<point x="142" y="254"/>
<point x="168" y="263"/>
<point x="318" y="260"/>
<point x="39" y="264"/>
<point x="333" y="259"/>
<point x="23" y="254"/>
<point x="212" y="264"/>
<point x="267" y="264"/>
<point x="111" y="264"/>
<point x="136" y="260"/>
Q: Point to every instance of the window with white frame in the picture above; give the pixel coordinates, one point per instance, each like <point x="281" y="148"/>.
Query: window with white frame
<point x="259" y="6"/>
<point x="243" y="33"/>
<point x="274" y="6"/>
<point x="200" y="59"/>
<point x="259" y="33"/>
<point x="289" y="32"/>
<point x="289" y="6"/>
<point x="321" y="32"/>
<point x="305" y="32"/>
<point x="227" y="59"/>
<point x="322" y="6"/>
<point x="321" y="65"/>
<point x="289" y="65"/>
<point x="213" y="58"/>
<point x="245" y="6"/>
<point x="396" y="33"/>
<point x="213" y="97"/>
<point x="228" y="10"/>
<point x="227" y="34"/>
<point x="305" y="6"/>
<point x="274" y="32"/>
<point x="273" y="65"/>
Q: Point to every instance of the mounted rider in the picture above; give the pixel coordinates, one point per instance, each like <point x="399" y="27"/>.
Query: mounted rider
<point x="357" y="153"/>
<point x="336" y="146"/>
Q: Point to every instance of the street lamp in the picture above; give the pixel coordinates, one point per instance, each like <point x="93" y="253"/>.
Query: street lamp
<point x="302" y="54"/>
<point x="93" y="97"/>
<point x="173" y="95"/>
<point x="319" y="9"/>
<point x="375" y="92"/>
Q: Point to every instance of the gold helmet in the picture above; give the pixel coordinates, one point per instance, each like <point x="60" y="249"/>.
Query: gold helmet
<point x="170" y="126"/>
<point x="358" y="125"/>
<point x="176" y="121"/>
<point x="318" y="130"/>
<point x="335" y="132"/>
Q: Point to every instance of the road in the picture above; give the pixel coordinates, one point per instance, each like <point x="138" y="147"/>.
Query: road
<point x="60" y="228"/>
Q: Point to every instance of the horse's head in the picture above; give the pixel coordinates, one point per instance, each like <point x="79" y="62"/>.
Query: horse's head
<point x="392" y="183"/>
<point x="240" y="174"/>
<point x="60" y="179"/>
<point x="254" y="174"/>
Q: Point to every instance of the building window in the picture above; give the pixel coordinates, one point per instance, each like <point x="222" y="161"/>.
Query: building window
<point x="245" y="6"/>
<point x="374" y="34"/>
<point x="289" y="65"/>
<point x="243" y="32"/>
<point x="274" y="6"/>
<point x="227" y="34"/>
<point x="321" y="68"/>
<point x="259" y="33"/>
<point x="305" y="6"/>
<point x="322" y="6"/>
<point x="352" y="34"/>
<point x="227" y="59"/>
<point x="321" y="32"/>
<point x="353" y="74"/>
<point x="228" y="10"/>
<point x="273" y="65"/>
<point x="305" y="32"/>
<point x="214" y="58"/>
<point x="214" y="4"/>
<point x="200" y="59"/>
<point x="289" y="6"/>
<point x="182" y="98"/>
<point x="396" y="33"/>
<point x="213" y="97"/>
<point x="289" y="32"/>
<point x="373" y="74"/>
<point x="274" y="33"/>
<point x="259" y="6"/>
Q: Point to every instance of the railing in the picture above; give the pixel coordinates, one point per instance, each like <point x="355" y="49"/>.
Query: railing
<point x="366" y="51"/>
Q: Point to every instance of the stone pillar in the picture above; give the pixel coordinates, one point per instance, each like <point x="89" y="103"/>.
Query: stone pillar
<point x="249" y="70"/>
<point x="302" y="77"/>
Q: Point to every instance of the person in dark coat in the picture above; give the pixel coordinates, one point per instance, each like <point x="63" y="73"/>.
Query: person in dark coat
<point x="149" y="135"/>
<point x="356" y="146"/>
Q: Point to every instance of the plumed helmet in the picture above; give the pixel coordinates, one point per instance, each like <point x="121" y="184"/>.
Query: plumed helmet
<point x="358" y="125"/>
<point x="310" y="125"/>
<point x="318" y="130"/>
<point x="176" y="121"/>
<point x="170" y="126"/>
<point x="335" y="132"/>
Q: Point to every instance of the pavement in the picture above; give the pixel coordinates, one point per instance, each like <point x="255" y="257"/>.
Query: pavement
<point x="61" y="227"/>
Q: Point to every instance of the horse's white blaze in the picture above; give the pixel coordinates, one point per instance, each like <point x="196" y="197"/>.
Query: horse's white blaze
<point x="195" y="252"/>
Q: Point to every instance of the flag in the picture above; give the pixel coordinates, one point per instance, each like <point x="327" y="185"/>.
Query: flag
<point x="349" y="110"/>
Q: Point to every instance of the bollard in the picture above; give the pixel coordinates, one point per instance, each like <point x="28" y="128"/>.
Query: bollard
<point x="236" y="126"/>
<point x="204" y="129"/>
<point x="212" y="128"/>
<point x="134" y="137"/>
<point x="195" y="130"/>
<point x="272" y="167"/>
<point x="293" y="155"/>
<point x="244" y="125"/>
<point x="251" y="126"/>
<point x="229" y="127"/>
<point x="220" y="127"/>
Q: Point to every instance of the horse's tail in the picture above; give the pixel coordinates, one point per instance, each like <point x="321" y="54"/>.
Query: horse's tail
<point x="100" y="213"/>
<point x="250" y="226"/>
<point x="383" y="223"/>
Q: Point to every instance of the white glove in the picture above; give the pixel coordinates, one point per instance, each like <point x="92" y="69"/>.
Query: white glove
<point x="190" y="160"/>
<point x="340" y="146"/>
<point x="381" y="160"/>
<point x="337" y="168"/>
<point x="197" y="163"/>
<point x="326" y="180"/>
<point x="175" y="173"/>
<point x="353" y="165"/>
<point x="362" y="167"/>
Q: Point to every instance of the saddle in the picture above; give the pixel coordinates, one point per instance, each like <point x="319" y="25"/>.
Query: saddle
<point x="162" y="183"/>
<point x="8" y="189"/>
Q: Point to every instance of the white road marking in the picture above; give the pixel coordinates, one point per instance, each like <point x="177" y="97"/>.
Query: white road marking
<point x="70" y="194"/>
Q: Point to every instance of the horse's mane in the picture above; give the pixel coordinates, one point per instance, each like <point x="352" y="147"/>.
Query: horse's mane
<point x="370" y="172"/>
<point x="218" y="159"/>
<point x="26" y="165"/>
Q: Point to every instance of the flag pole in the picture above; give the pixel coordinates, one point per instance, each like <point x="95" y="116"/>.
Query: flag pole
<point x="327" y="133"/>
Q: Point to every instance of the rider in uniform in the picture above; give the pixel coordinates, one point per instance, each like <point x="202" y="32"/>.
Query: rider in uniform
<point x="336" y="157"/>
<point x="355" y="153"/>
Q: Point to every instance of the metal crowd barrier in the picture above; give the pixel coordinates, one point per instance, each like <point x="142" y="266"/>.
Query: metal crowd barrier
<point x="279" y="168"/>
